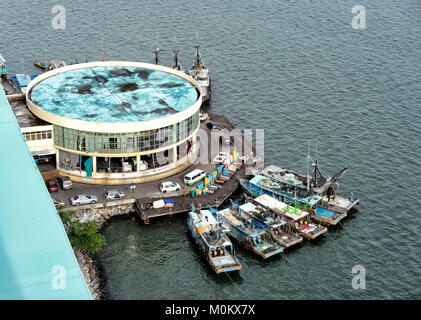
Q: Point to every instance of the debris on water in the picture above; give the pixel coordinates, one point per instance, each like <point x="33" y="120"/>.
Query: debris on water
<point x="126" y="104"/>
<point x="92" y="115"/>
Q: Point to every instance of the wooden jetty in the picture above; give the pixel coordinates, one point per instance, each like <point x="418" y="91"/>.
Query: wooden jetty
<point x="184" y="203"/>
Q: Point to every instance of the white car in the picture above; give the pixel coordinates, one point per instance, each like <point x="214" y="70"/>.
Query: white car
<point x="203" y="116"/>
<point x="169" y="186"/>
<point x="223" y="158"/>
<point x="83" y="199"/>
<point x="114" y="195"/>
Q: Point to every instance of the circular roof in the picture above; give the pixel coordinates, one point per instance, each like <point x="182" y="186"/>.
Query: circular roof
<point x="114" y="94"/>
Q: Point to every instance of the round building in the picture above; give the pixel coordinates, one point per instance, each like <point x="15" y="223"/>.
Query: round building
<point x="118" y="122"/>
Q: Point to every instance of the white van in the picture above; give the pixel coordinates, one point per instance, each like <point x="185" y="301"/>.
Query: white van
<point x="194" y="176"/>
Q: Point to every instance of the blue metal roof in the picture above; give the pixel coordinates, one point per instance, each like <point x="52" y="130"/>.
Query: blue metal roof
<point x="34" y="248"/>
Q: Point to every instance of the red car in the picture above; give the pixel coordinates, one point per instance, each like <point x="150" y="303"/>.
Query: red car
<point x="52" y="185"/>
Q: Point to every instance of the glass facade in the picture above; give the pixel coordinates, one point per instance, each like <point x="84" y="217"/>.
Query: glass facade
<point x="91" y="142"/>
<point x="37" y="135"/>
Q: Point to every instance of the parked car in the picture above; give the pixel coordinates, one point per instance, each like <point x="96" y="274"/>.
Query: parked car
<point x="203" y="116"/>
<point x="83" y="199"/>
<point x="65" y="182"/>
<point x="212" y="125"/>
<point x="223" y="158"/>
<point x="169" y="186"/>
<point x="114" y="195"/>
<point x="52" y="185"/>
<point x="194" y="176"/>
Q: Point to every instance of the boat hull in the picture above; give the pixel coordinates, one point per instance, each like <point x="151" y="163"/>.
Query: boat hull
<point x="221" y="264"/>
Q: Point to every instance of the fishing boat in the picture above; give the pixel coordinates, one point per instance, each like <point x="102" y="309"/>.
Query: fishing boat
<point x="319" y="183"/>
<point x="200" y="73"/>
<point x="297" y="218"/>
<point x="55" y="64"/>
<point x="40" y="65"/>
<point x="212" y="242"/>
<point x="176" y="65"/>
<point x="7" y="83"/>
<point x="273" y="223"/>
<point x="318" y="205"/>
<point x="247" y="234"/>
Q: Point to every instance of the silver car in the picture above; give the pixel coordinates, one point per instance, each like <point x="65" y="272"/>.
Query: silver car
<point x="83" y="199"/>
<point x="114" y="195"/>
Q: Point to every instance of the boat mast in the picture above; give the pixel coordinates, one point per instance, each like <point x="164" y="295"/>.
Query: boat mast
<point x="46" y="57"/>
<point x="308" y="167"/>
<point x="217" y="225"/>
<point x="198" y="61"/>
<point x="156" y="59"/>
<point x="176" y="65"/>
<point x="102" y="49"/>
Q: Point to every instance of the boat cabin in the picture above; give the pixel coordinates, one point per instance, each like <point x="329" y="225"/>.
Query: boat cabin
<point x="298" y="219"/>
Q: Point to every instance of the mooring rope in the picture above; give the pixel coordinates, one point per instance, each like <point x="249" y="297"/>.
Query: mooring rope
<point x="242" y="290"/>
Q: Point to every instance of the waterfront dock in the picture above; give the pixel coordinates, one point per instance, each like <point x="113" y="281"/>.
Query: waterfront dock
<point x="184" y="203"/>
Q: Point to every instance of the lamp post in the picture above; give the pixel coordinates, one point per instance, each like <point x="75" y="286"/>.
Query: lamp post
<point x="133" y="187"/>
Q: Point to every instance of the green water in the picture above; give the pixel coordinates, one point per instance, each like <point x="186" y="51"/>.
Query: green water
<point x="298" y="70"/>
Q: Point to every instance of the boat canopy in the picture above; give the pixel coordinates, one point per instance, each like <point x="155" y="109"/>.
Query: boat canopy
<point x="278" y="206"/>
<point x="231" y="219"/>
<point x="205" y="222"/>
<point x="23" y="79"/>
<point x="250" y="208"/>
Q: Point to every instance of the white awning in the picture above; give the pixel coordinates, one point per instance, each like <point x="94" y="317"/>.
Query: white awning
<point x="44" y="152"/>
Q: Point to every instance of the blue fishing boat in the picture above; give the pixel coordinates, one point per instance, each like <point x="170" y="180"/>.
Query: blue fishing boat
<point x="212" y="241"/>
<point x="244" y="231"/>
<point x="274" y="224"/>
<point x="316" y="182"/>
<point x="315" y="203"/>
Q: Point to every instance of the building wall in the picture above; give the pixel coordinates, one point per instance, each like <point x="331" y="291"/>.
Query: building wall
<point x="78" y="140"/>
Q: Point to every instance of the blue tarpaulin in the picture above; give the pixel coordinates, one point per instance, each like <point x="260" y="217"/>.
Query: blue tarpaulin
<point x="88" y="167"/>
<point x="23" y="79"/>
<point x="324" y="212"/>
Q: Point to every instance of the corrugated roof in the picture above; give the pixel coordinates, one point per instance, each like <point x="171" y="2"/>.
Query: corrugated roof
<point x="33" y="242"/>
